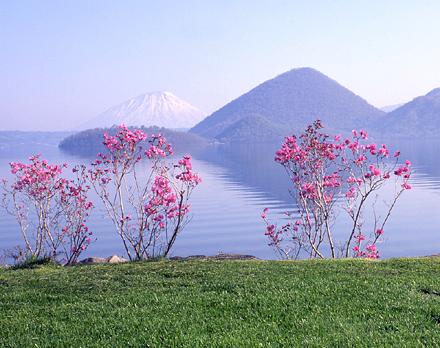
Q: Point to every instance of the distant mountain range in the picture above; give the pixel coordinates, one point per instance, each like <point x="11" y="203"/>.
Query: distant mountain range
<point x="419" y="117"/>
<point x="288" y="103"/>
<point x="277" y="107"/>
<point x="161" y="109"/>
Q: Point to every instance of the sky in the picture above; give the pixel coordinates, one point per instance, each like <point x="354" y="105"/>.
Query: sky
<point x="64" y="62"/>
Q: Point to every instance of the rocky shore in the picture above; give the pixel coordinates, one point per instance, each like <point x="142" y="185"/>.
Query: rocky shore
<point x="218" y="257"/>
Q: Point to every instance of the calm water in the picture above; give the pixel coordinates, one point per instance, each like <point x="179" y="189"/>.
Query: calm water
<point x="238" y="182"/>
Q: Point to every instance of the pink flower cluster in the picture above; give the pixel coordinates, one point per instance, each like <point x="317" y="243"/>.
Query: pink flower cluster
<point x="162" y="204"/>
<point x="369" y="165"/>
<point x="274" y="234"/>
<point x="124" y="139"/>
<point x="370" y="250"/>
<point x="158" y="147"/>
<point x="38" y="178"/>
<point x="58" y="206"/>
<point x="187" y="175"/>
<point x="126" y="148"/>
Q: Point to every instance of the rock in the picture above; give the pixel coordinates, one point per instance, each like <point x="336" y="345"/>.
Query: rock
<point x="116" y="259"/>
<point x="177" y="258"/>
<point x="96" y="260"/>
<point x="93" y="260"/>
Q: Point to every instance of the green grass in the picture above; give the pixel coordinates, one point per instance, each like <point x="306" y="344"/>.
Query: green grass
<point x="342" y="303"/>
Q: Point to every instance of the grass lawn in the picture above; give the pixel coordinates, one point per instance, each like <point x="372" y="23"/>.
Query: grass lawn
<point x="197" y="303"/>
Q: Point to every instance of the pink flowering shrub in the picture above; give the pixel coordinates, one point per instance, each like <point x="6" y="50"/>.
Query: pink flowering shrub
<point x="146" y="200"/>
<point x="331" y="176"/>
<point x="50" y="210"/>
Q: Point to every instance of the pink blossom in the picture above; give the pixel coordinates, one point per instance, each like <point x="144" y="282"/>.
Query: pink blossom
<point x="406" y="186"/>
<point x="264" y="213"/>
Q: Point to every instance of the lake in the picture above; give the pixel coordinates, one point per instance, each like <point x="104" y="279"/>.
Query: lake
<point x="238" y="183"/>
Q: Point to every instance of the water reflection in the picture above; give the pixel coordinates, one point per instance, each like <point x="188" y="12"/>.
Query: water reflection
<point x="251" y="165"/>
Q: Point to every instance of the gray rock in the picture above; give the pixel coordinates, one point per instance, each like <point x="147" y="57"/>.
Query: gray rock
<point x="177" y="258"/>
<point x="97" y="260"/>
<point x="116" y="259"/>
<point x="93" y="260"/>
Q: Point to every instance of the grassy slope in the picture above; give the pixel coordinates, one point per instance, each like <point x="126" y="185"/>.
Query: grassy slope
<point x="223" y="304"/>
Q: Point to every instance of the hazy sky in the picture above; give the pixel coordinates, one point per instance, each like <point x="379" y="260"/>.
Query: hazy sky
<point x="64" y="62"/>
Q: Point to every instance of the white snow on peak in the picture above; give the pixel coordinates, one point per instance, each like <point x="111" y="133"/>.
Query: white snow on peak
<point x="162" y="109"/>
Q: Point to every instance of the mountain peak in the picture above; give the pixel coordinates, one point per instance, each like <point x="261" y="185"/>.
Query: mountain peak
<point x="159" y="94"/>
<point x="293" y="100"/>
<point x="301" y="73"/>
<point x="159" y="108"/>
<point x="303" y="70"/>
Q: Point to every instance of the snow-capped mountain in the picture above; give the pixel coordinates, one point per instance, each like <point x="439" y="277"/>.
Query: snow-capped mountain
<point x="162" y="109"/>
